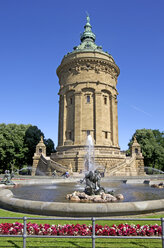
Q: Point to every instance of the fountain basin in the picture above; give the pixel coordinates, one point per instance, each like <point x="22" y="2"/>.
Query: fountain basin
<point x="68" y="209"/>
<point x="7" y="201"/>
<point x="56" y="191"/>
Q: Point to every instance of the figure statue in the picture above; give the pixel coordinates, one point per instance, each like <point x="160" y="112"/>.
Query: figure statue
<point x="88" y="18"/>
<point x="92" y="179"/>
<point x="7" y="178"/>
<point x="54" y="173"/>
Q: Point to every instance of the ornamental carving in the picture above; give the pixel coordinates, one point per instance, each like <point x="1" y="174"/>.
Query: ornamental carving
<point x="86" y="65"/>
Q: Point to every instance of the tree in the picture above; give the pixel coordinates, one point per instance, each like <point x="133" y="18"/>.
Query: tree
<point x="18" y="144"/>
<point x="152" y="146"/>
<point x="12" y="147"/>
<point x="31" y="139"/>
<point x="49" y="146"/>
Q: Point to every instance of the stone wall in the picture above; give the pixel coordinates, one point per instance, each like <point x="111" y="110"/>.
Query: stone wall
<point x="88" y="99"/>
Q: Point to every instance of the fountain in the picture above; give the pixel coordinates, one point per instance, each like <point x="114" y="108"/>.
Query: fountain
<point x="152" y="171"/>
<point x="89" y="162"/>
<point x="93" y="191"/>
<point x="96" y="204"/>
<point x="7" y="178"/>
<point x="93" y="187"/>
<point x="52" y="189"/>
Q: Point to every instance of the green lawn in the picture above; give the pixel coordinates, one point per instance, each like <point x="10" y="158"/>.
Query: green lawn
<point x="9" y="242"/>
<point x="78" y="243"/>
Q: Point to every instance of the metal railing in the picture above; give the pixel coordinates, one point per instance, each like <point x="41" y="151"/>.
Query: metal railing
<point x="93" y="236"/>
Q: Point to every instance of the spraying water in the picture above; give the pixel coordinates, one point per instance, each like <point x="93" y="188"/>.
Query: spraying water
<point x="89" y="157"/>
<point x="151" y="171"/>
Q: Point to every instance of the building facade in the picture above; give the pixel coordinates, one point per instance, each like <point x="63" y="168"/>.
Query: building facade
<point x="88" y="105"/>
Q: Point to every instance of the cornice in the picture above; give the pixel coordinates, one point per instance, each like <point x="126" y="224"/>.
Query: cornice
<point x="69" y="87"/>
<point x="77" y="65"/>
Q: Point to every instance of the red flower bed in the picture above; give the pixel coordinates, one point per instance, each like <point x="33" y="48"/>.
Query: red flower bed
<point x="81" y="230"/>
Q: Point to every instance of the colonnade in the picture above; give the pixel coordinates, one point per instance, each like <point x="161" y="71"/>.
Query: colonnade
<point x="78" y="133"/>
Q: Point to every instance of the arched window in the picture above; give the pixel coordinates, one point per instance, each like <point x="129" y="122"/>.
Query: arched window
<point x="88" y="98"/>
<point x="105" y="100"/>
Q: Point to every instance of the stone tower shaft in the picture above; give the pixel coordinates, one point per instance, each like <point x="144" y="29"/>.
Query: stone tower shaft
<point x="88" y="104"/>
<point x="88" y="99"/>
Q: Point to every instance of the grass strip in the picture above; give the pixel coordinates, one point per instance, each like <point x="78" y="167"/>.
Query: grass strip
<point x="10" y="242"/>
<point x="79" y="243"/>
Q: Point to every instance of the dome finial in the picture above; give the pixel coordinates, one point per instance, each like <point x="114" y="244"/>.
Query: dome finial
<point x="88" y="34"/>
<point x="88" y="18"/>
<point x="87" y="38"/>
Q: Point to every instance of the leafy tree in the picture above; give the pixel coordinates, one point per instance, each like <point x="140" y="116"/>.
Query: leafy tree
<point x="31" y="139"/>
<point x="49" y="146"/>
<point x="152" y="146"/>
<point x="17" y="145"/>
<point x="12" y="148"/>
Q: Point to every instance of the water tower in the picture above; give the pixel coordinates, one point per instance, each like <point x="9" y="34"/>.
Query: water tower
<point x="88" y="104"/>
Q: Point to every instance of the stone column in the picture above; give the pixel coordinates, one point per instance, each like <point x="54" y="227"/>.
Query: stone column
<point x="111" y="117"/>
<point x="77" y="118"/>
<point x="62" y="120"/>
<point x="114" y="121"/>
<point x="60" y="123"/>
<point x="98" y="117"/>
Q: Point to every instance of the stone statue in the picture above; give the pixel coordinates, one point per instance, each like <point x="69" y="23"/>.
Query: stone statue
<point x="7" y="178"/>
<point x="93" y="191"/>
<point x="54" y="173"/>
<point x="92" y="179"/>
<point x="88" y="18"/>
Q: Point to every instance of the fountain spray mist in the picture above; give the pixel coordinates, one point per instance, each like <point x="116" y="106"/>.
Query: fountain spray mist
<point x="89" y="157"/>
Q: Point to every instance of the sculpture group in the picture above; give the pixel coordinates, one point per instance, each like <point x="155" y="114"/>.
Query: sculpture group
<point x="7" y="178"/>
<point x="93" y="191"/>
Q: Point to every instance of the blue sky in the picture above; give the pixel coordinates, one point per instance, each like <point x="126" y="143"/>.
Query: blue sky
<point x="36" y="34"/>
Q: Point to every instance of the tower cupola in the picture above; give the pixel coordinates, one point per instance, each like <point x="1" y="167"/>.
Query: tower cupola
<point x="87" y="39"/>
<point x="87" y="34"/>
